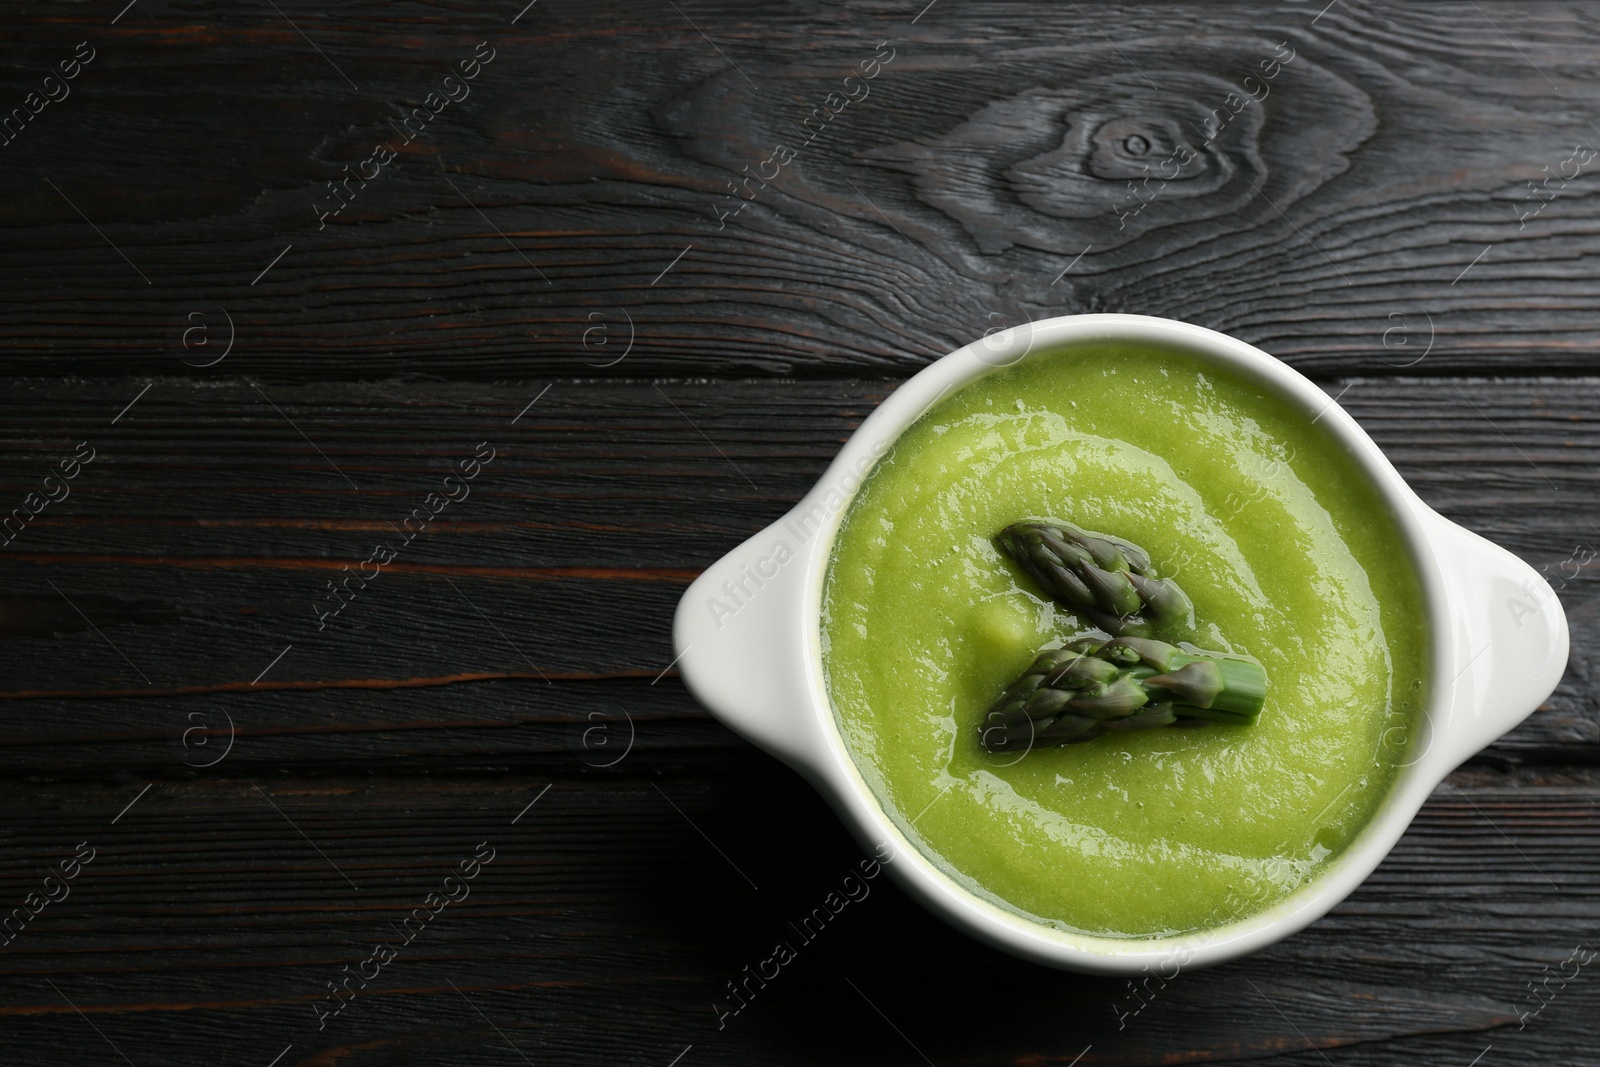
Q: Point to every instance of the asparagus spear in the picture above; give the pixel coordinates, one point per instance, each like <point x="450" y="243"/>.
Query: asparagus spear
<point x="1094" y="686"/>
<point x="1105" y="579"/>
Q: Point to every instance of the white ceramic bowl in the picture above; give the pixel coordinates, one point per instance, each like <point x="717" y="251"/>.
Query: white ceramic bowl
<point x="748" y="637"/>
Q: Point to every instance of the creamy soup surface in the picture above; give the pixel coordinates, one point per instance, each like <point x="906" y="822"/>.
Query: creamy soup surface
<point x="1278" y="538"/>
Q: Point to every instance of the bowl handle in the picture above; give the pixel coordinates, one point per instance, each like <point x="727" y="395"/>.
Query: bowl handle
<point x="738" y="635"/>
<point x="1509" y="636"/>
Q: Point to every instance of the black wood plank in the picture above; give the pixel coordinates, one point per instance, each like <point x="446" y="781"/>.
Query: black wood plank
<point x="200" y="541"/>
<point x="1412" y="179"/>
<point x="213" y="915"/>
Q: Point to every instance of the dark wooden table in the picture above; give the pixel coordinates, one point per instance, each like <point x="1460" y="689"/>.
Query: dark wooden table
<point x="280" y="270"/>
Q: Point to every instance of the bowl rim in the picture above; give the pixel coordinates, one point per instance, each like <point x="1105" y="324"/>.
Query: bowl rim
<point x="880" y="822"/>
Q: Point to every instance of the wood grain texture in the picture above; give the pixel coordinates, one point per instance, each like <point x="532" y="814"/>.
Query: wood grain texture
<point x="608" y="922"/>
<point x="219" y="515"/>
<point x="984" y="176"/>
<point x="1407" y="212"/>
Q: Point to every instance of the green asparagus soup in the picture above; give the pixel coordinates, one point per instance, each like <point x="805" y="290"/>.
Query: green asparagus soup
<point x="1288" y="555"/>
